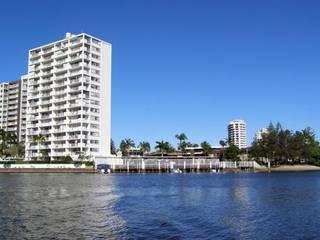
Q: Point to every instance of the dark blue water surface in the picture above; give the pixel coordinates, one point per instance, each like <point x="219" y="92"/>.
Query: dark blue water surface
<point x="186" y="206"/>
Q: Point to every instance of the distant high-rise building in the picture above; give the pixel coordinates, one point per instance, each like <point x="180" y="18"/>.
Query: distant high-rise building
<point x="13" y="107"/>
<point x="237" y="133"/>
<point x="259" y="133"/>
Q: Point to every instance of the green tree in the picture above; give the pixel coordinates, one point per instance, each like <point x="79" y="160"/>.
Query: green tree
<point x="223" y="144"/>
<point x="67" y="159"/>
<point x="232" y="153"/>
<point x="281" y="145"/>
<point x="125" y="146"/>
<point x="181" y="137"/>
<point x="113" y="147"/>
<point x="144" y="147"/>
<point x="182" y="147"/>
<point x="182" y="141"/>
<point x="164" y="147"/>
<point x="7" y="140"/>
<point x="310" y="145"/>
<point x="15" y="150"/>
<point x="21" y="149"/>
<point x="206" y="148"/>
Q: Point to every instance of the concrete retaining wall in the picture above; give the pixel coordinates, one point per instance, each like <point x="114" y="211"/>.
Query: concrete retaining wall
<point x="43" y="166"/>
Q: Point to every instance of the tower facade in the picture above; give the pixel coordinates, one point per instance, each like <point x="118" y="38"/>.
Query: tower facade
<point x="237" y="133"/>
<point x="68" y="109"/>
<point x="13" y="107"/>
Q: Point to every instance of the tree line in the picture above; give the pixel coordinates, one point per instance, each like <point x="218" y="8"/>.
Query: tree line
<point x="278" y="145"/>
<point x="164" y="147"/>
<point x="281" y="146"/>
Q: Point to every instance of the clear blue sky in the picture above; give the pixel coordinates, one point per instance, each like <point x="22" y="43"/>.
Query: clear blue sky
<point x="186" y="66"/>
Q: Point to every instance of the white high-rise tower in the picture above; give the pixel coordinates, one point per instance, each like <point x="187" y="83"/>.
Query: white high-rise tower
<point x="69" y="99"/>
<point x="237" y="133"/>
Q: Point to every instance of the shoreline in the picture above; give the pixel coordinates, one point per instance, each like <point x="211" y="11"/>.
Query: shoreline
<point x="48" y="170"/>
<point x="282" y="168"/>
<point x="296" y="168"/>
<point x="290" y="168"/>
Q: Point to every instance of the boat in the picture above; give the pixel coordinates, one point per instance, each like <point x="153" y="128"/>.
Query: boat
<point x="177" y="170"/>
<point x="104" y="168"/>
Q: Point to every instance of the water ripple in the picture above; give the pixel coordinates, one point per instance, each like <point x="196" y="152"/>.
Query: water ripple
<point x="192" y="206"/>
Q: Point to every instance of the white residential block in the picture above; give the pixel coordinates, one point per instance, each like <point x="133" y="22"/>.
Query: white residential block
<point x="237" y="133"/>
<point x="13" y="107"/>
<point x="69" y="99"/>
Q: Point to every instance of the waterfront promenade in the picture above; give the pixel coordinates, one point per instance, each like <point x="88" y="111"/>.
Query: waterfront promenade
<point x="137" y="165"/>
<point x="155" y="165"/>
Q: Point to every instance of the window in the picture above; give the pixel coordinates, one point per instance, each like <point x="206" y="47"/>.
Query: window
<point x="95" y="56"/>
<point x="95" y="41"/>
<point x="96" y="49"/>
<point x="95" y="64"/>
<point x="95" y="71"/>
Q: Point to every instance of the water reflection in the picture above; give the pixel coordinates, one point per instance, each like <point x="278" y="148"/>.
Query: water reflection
<point x="191" y="206"/>
<point x="58" y="206"/>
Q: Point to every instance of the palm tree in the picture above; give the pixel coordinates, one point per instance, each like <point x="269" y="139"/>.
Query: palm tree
<point x="144" y="147"/>
<point x="181" y="137"/>
<point x="39" y="140"/>
<point x="125" y="146"/>
<point x="182" y="142"/>
<point x="223" y="143"/>
<point x="206" y="148"/>
<point x="160" y="145"/>
<point x="163" y="147"/>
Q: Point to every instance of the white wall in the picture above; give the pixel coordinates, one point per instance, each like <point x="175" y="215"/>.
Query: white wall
<point x="105" y="100"/>
<point x="43" y="166"/>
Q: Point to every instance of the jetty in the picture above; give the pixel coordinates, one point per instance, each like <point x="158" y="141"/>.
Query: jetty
<point x="163" y="165"/>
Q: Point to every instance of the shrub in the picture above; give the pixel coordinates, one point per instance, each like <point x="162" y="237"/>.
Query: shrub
<point x="89" y="163"/>
<point x="67" y="159"/>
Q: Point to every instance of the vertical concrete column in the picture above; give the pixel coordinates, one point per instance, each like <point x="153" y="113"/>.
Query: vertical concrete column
<point x="171" y="165"/>
<point x="143" y="165"/>
<point x="192" y="164"/>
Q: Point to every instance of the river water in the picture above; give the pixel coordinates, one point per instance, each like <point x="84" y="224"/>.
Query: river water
<point x="160" y="206"/>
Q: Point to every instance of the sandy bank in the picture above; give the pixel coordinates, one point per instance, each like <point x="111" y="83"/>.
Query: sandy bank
<point x="295" y="168"/>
